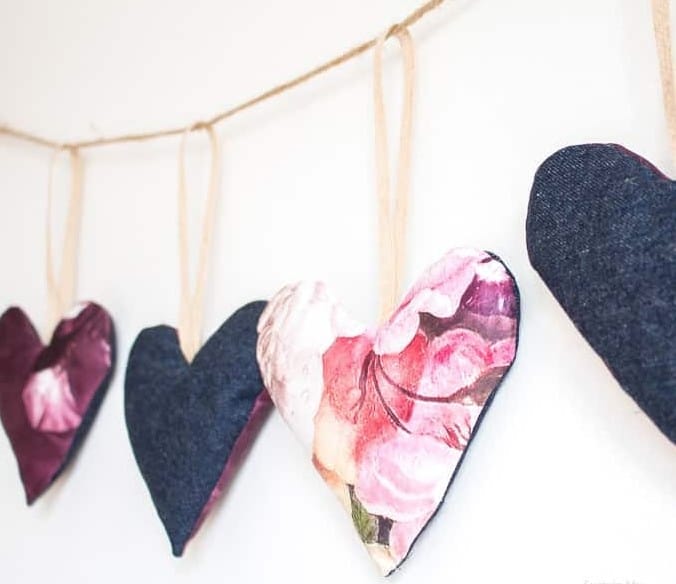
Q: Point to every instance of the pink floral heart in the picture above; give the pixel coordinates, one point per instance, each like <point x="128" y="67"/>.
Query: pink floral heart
<point x="388" y="413"/>
<point x="49" y="395"/>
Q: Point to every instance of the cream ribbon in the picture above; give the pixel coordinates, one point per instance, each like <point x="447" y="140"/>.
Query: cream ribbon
<point x="191" y="311"/>
<point x="392" y="214"/>
<point x="662" y="26"/>
<point x="61" y="290"/>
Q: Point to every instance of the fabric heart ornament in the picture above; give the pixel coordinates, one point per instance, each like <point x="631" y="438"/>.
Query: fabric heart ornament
<point x="191" y="423"/>
<point x="601" y="233"/>
<point x="387" y="414"/>
<point x="192" y="409"/>
<point x="49" y="395"/>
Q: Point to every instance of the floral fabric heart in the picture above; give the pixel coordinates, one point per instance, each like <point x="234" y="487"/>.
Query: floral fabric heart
<point x="49" y="395"/>
<point x="388" y="413"/>
<point x="191" y="423"/>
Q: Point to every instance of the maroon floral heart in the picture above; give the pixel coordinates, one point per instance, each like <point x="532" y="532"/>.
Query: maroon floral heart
<point x="49" y="395"/>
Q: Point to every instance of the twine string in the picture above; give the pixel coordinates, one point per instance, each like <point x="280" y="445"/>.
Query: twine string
<point x="61" y="290"/>
<point x="191" y="310"/>
<point x="344" y="57"/>
<point x="393" y="210"/>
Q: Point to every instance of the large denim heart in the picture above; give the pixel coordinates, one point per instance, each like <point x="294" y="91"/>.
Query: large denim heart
<point x="49" y="395"/>
<point x="387" y="414"/>
<point x="190" y="423"/>
<point x="601" y="232"/>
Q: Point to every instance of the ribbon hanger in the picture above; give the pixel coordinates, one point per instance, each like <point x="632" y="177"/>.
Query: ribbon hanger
<point x="662" y="25"/>
<point x="61" y="290"/>
<point x="393" y="210"/>
<point x="191" y="311"/>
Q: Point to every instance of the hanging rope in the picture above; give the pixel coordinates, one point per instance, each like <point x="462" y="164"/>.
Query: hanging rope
<point x="348" y="55"/>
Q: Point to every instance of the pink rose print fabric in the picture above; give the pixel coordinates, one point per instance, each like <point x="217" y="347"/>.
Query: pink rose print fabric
<point x="388" y="413"/>
<point x="50" y="394"/>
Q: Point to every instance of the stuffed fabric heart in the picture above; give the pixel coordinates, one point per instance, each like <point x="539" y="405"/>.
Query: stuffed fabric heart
<point x="49" y="395"/>
<point x="191" y="423"/>
<point x="601" y="232"/>
<point x="388" y="413"/>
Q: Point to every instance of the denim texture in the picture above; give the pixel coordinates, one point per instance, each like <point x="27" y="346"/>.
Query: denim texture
<point x="184" y="419"/>
<point x="601" y="232"/>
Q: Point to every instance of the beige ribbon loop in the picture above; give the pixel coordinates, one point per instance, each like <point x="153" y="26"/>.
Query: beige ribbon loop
<point x="61" y="291"/>
<point x="191" y="310"/>
<point x="662" y="25"/>
<point x="392" y="215"/>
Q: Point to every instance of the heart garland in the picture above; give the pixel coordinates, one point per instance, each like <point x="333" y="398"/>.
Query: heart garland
<point x="388" y="413"/>
<point x="193" y="412"/>
<point x="600" y="233"/>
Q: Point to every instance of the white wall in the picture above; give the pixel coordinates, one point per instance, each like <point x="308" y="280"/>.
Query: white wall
<point x="566" y="482"/>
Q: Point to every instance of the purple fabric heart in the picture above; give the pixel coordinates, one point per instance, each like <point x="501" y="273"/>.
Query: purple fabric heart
<point x="49" y="395"/>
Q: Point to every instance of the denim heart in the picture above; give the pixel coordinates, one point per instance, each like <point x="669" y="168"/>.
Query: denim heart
<point x="49" y="395"/>
<point x="190" y="423"/>
<point x="387" y="414"/>
<point x="601" y="233"/>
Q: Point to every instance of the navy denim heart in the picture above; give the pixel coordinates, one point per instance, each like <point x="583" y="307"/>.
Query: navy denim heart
<point x="190" y="423"/>
<point x="601" y="231"/>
